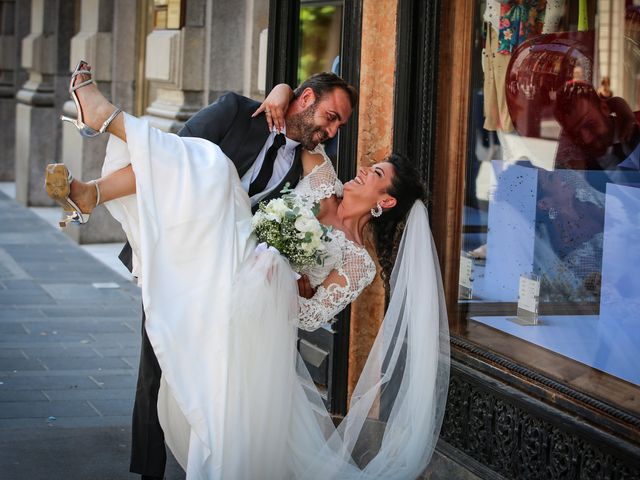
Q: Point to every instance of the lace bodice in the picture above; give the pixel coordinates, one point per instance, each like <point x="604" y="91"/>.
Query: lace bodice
<point x="346" y="270"/>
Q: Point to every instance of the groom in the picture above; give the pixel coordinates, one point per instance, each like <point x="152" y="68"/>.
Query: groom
<point x="266" y="161"/>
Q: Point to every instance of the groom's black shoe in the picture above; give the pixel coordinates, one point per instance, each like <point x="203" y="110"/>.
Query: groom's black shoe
<point x="147" y="477"/>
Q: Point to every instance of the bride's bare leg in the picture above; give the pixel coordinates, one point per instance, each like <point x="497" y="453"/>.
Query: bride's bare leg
<point x="96" y="109"/>
<point x="115" y="185"/>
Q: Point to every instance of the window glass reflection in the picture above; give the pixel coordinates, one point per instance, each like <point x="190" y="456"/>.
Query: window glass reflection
<point x="320" y="38"/>
<point x="553" y="178"/>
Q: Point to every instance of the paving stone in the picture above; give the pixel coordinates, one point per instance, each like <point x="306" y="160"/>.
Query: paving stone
<point x="23" y="396"/>
<point x="79" y="372"/>
<point x="7" y="298"/>
<point x="82" y="294"/>
<point x="12" y="314"/>
<point x="59" y="351"/>
<point x="19" y="364"/>
<point x="22" y="286"/>
<point x="12" y="353"/>
<point x="77" y="326"/>
<point x="65" y="422"/>
<point x="95" y="363"/>
<point x="12" y="327"/>
<point x="97" y="394"/>
<point x="15" y="339"/>
<point x="127" y="352"/>
<point x="134" y="362"/>
<point x="130" y="325"/>
<point x="116" y="381"/>
<point x="48" y="382"/>
<point x="124" y="339"/>
<point x="26" y="345"/>
<point x="25" y="238"/>
<point x="68" y="408"/>
<point x="120" y="407"/>
<point x="58" y="447"/>
<point x="103" y="311"/>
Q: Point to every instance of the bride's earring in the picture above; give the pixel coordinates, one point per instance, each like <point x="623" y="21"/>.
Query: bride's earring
<point x="376" y="212"/>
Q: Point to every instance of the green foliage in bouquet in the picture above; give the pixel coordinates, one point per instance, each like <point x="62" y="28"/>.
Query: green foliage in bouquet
<point x="290" y="225"/>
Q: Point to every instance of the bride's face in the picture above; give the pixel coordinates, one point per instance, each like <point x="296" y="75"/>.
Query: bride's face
<point x="370" y="186"/>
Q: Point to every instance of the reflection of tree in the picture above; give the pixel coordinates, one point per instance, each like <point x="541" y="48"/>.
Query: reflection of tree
<point x="317" y="44"/>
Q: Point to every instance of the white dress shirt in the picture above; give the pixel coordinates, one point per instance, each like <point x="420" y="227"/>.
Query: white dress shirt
<point x="283" y="163"/>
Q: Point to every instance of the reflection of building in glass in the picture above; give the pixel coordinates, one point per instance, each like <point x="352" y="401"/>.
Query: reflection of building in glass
<point x="320" y="34"/>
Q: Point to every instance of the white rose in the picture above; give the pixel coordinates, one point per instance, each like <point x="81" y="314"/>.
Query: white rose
<point x="305" y="224"/>
<point x="277" y="208"/>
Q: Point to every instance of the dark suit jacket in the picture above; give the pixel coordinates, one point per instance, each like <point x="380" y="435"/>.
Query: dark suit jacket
<point x="227" y="122"/>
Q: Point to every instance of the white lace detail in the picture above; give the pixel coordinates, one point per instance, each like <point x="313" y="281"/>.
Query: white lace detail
<point x="347" y="268"/>
<point x="321" y="182"/>
<point x="355" y="269"/>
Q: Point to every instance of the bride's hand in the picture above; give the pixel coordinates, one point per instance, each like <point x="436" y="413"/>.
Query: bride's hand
<point x="275" y="106"/>
<point x="305" y="290"/>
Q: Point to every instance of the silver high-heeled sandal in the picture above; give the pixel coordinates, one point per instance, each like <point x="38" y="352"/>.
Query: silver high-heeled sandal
<point x="84" y="129"/>
<point x="58" y="186"/>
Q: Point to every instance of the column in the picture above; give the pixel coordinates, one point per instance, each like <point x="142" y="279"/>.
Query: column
<point x="14" y="26"/>
<point x="112" y="59"/>
<point x="255" y="48"/>
<point x="45" y="57"/>
<point x="175" y="66"/>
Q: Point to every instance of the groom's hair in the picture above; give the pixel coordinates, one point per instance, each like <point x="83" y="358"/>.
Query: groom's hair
<point x="325" y="82"/>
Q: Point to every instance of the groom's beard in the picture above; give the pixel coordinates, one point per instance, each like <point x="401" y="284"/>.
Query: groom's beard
<point x="309" y="135"/>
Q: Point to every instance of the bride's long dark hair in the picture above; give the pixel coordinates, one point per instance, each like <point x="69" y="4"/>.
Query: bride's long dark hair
<point x="406" y="188"/>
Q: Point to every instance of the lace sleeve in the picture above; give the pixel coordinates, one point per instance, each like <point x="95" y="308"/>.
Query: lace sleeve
<point x="341" y="287"/>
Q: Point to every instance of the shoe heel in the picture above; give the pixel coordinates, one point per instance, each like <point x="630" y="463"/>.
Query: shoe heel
<point x="85" y="130"/>
<point x="74" y="217"/>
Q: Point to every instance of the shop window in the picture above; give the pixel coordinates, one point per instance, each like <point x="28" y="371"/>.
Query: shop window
<point x="551" y="221"/>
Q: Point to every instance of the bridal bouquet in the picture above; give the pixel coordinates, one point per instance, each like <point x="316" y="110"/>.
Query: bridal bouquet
<point x="291" y="227"/>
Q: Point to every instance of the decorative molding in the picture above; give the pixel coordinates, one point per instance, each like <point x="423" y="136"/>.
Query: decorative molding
<point x="523" y="438"/>
<point x="525" y="372"/>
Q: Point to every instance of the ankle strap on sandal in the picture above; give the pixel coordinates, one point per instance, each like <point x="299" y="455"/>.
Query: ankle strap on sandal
<point x="95" y="184"/>
<point x="108" y="121"/>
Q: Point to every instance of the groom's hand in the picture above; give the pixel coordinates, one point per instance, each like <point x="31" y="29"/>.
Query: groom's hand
<point x="304" y="287"/>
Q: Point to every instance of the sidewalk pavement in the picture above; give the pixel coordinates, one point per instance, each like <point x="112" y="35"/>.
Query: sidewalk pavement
<point x="69" y="349"/>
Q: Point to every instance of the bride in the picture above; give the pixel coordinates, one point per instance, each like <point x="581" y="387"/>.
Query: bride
<point x="236" y="400"/>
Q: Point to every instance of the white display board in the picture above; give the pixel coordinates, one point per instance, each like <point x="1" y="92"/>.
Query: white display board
<point x="620" y="294"/>
<point x="511" y="232"/>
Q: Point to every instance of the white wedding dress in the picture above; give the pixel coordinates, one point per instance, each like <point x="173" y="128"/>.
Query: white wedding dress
<point x="236" y="401"/>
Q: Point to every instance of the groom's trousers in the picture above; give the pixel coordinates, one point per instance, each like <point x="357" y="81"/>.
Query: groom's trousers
<point x="148" y="452"/>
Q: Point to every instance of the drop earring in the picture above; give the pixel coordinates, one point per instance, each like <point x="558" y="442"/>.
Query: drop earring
<point x="376" y="212"/>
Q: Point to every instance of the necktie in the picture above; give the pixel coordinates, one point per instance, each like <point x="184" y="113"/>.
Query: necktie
<point x="260" y="183"/>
